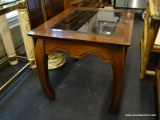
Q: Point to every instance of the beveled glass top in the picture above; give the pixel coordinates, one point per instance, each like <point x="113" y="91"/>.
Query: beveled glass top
<point x="91" y="22"/>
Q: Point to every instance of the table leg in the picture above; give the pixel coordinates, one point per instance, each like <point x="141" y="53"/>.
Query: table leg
<point x="28" y="41"/>
<point x="118" y="76"/>
<point x="7" y="40"/>
<point x="42" y="68"/>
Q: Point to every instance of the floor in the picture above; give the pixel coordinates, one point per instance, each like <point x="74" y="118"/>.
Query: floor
<point x="83" y="90"/>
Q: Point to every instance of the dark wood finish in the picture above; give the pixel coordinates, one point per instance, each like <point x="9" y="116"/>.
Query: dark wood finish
<point x="52" y="7"/>
<point x="158" y="88"/>
<point x="66" y="4"/>
<point x="74" y="22"/>
<point x="82" y="3"/>
<point x="109" y="48"/>
<point x="35" y="13"/>
<point x="85" y="3"/>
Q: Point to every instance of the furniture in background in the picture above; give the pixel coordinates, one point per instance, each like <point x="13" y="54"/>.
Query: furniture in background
<point x="36" y="16"/>
<point x="6" y="34"/>
<point x="158" y="87"/>
<point x="103" y="36"/>
<point x="85" y="3"/>
<point x="149" y="40"/>
<point x="131" y="4"/>
<point x="28" y="43"/>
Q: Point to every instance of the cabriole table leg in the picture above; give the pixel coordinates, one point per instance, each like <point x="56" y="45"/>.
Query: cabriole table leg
<point x="42" y="68"/>
<point x="118" y="76"/>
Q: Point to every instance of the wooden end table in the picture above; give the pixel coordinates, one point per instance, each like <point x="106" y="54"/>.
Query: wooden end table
<point x="81" y="31"/>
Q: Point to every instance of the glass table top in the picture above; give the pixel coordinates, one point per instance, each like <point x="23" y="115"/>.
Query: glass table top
<point x="5" y="2"/>
<point x="90" y="22"/>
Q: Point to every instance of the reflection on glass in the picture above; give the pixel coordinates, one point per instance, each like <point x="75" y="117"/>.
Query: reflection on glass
<point x="4" y="2"/>
<point x="91" y="22"/>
